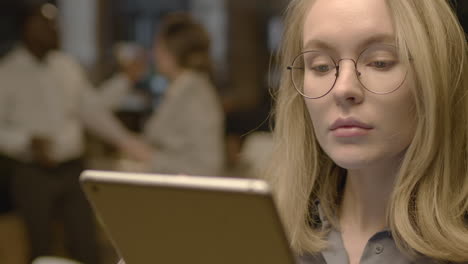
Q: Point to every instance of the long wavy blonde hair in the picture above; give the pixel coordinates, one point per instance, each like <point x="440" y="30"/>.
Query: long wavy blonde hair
<point x="428" y="209"/>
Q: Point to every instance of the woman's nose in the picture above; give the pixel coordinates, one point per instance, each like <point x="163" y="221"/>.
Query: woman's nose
<point x="347" y="89"/>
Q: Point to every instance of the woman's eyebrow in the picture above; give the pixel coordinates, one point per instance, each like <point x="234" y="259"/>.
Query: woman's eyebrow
<point x="317" y="44"/>
<point x="378" y="38"/>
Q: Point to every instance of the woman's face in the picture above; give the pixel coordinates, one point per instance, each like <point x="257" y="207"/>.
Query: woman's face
<point x="355" y="127"/>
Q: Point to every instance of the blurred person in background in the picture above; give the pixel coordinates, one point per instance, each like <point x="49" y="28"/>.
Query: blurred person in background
<point x="133" y="67"/>
<point x="132" y="102"/>
<point x="187" y="128"/>
<point x="46" y="102"/>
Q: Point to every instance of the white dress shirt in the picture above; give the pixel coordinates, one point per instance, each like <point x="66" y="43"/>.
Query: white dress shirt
<point x="51" y="99"/>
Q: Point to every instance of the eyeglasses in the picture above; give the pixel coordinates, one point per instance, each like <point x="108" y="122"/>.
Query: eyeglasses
<point x="378" y="69"/>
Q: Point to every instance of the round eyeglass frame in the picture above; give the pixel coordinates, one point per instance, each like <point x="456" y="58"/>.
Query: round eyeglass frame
<point x="337" y="73"/>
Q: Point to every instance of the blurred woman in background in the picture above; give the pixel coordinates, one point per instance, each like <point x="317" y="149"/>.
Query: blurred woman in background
<point x="187" y="128"/>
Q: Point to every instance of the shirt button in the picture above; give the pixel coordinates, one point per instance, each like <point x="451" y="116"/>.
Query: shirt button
<point x="378" y="248"/>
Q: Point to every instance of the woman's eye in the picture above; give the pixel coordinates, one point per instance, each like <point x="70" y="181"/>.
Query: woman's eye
<point x="321" y="68"/>
<point x="382" y="65"/>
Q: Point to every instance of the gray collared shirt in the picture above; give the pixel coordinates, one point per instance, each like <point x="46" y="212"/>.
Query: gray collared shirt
<point x="381" y="249"/>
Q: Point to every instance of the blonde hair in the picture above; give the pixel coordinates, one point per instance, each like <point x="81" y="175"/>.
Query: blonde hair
<point x="429" y="205"/>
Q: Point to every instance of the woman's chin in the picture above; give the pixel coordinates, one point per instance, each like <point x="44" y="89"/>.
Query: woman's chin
<point x="353" y="161"/>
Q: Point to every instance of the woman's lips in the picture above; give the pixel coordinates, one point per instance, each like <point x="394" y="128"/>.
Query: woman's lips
<point x="349" y="127"/>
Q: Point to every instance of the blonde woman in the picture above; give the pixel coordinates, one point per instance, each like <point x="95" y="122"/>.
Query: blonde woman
<point x="371" y="132"/>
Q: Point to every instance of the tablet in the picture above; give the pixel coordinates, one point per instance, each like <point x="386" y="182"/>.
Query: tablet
<point x="176" y="219"/>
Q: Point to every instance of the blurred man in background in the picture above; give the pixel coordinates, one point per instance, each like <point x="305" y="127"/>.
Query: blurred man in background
<point x="46" y="102"/>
